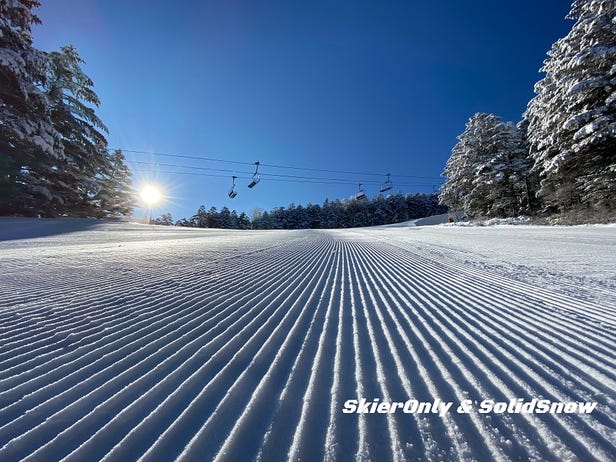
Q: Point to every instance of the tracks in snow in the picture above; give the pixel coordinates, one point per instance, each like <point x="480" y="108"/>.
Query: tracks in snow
<point x="251" y="355"/>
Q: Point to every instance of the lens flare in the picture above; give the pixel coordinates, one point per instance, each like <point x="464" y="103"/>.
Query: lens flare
<point x="151" y="195"/>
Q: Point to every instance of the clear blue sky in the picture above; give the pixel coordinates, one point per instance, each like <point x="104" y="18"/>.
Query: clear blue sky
<point x="361" y="86"/>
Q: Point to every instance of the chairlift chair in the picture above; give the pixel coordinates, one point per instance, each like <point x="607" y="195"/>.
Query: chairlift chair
<point x="232" y="191"/>
<point x="388" y="184"/>
<point x="255" y="177"/>
<point x="360" y="194"/>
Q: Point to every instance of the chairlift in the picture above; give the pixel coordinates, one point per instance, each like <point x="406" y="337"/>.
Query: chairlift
<point x="232" y="191"/>
<point x="388" y="184"/>
<point x="255" y="177"/>
<point x="360" y="194"/>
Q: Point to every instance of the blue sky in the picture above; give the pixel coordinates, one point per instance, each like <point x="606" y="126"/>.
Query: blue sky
<point x="355" y="86"/>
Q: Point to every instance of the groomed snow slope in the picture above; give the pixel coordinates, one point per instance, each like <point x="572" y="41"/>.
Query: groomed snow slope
<point x="125" y="342"/>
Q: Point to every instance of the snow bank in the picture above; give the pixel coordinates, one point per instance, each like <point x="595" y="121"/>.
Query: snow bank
<point x="493" y="222"/>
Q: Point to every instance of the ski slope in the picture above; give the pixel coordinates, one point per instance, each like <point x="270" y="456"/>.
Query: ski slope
<point x="123" y="342"/>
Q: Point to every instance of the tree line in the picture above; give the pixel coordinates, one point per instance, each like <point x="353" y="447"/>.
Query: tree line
<point x="350" y="213"/>
<point x="560" y="159"/>
<point x="54" y="157"/>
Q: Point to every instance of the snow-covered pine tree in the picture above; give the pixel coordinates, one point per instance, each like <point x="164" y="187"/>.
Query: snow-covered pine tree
<point x="422" y="205"/>
<point x="211" y="218"/>
<point x="485" y="175"/>
<point x="332" y="214"/>
<point x="29" y="143"/>
<point x="226" y="220"/>
<point x="572" y="118"/>
<point x="460" y="168"/>
<point x="381" y="212"/>
<point x="314" y="215"/>
<point x="54" y="157"/>
<point x="199" y="219"/>
<point x="81" y="176"/>
<point x="531" y="177"/>
<point x="243" y="222"/>
<point x="396" y="204"/>
<point x="165" y="219"/>
<point x="184" y="223"/>
<point x="116" y="196"/>
<point x="485" y="146"/>
<point x="261" y="219"/>
<point x="500" y="184"/>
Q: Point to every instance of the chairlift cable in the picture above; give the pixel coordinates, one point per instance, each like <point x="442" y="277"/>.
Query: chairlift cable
<point x="278" y="175"/>
<point x="310" y="181"/>
<point x="290" y="167"/>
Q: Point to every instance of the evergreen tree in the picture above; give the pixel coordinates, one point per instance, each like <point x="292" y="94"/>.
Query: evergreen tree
<point x="29" y="143"/>
<point x="212" y="218"/>
<point x="277" y="218"/>
<point x="116" y="196"/>
<point x="53" y="154"/>
<point x="329" y="215"/>
<point x="572" y="118"/>
<point x="380" y="215"/>
<point x="226" y="219"/>
<point x="184" y="223"/>
<point x="262" y="221"/>
<point x="486" y="173"/>
<point x="165" y="219"/>
<point x="531" y="178"/>
<point x="80" y="175"/>
<point x="397" y="208"/>
<point x="500" y="188"/>
<point x="314" y="216"/>
<point x="199" y="220"/>
<point x="460" y="168"/>
<point x="336" y="216"/>
<point x="243" y="222"/>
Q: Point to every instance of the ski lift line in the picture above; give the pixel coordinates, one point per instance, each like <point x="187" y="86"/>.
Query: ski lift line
<point x="344" y="172"/>
<point x="289" y="167"/>
<point x="279" y="175"/>
<point x="184" y="166"/>
<point x="183" y="156"/>
<point x="388" y="182"/>
<point x="316" y="181"/>
<point x="212" y="175"/>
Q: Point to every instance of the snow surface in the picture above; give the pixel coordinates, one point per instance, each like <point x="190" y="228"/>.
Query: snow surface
<point x="122" y="341"/>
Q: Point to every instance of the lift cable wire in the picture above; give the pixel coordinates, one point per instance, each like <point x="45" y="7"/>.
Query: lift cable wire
<point x="276" y="175"/>
<point x="289" y="167"/>
<point x="289" y="180"/>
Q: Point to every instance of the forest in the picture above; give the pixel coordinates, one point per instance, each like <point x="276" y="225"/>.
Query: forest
<point x="380" y="210"/>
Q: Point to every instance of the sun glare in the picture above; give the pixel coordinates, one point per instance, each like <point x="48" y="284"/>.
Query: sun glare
<point x="151" y="195"/>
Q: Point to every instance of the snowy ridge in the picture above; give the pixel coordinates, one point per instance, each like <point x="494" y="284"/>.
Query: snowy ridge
<point x="222" y="345"/>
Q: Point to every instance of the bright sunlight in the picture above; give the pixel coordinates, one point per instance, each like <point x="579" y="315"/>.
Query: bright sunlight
<point x="151" y="195"/>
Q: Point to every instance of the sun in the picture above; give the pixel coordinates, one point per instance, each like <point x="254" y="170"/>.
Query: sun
<point x="151" y="195"/>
